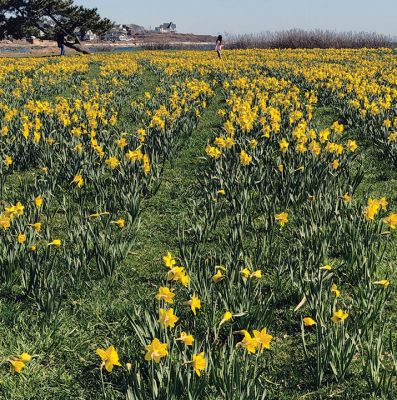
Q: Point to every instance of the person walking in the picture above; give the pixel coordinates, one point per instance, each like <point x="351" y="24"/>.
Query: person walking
<point x="218" y="46"/>
<point x="61" y="42"/>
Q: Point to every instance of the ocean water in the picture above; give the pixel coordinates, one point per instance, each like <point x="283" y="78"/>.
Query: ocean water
<point x="21" y="50"/>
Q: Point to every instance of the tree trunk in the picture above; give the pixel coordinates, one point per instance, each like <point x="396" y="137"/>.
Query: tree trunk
<point x="78" y="47"/>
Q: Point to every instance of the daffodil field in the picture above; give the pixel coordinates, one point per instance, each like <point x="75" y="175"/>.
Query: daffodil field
<point x="174" y="226"/>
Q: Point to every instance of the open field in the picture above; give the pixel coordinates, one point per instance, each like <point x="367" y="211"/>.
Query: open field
<point x="250" y="203"/>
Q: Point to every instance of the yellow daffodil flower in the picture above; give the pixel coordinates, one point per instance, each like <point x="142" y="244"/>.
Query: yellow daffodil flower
<point x="109" y="357"/>
<point x="156" y="350"/>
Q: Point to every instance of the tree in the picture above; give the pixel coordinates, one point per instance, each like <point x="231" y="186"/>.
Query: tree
<point x="21" y="18"/>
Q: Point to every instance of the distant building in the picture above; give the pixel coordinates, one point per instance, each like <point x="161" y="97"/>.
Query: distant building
<point x="86" y="36"/>
<point x="89" y="36"/>
<point x="116" y="34"/>
<point x="167" y="27"/>
<point x="31" y="39"/>
<point x="132" y="29"/>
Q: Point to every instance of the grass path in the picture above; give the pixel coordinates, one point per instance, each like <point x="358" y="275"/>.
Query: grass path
<point x="161" y="213"/>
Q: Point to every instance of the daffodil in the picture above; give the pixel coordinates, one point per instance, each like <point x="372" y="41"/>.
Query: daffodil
<point x="213" y="152"/>
<point x="253" y="143"/>
<point x="36" y="226"/>
<point x="194" y="303"/>
<point x="178" y="274"/>
<point x="8" y="161"/>
<point x="122" y="142"/>
<point x="335" y="290"/>
<point x="97" y="215"/>
<point x="5" y="222"/>
<point x="308" y="321"/>
<point x="282" y="218"/>
<point x="280" y="167"/>
<point x="346" y="197"/>
<point x="19" y="208"/>
<point x="218" y="276"/>
<point x="245" y="272"/>
<point x="352" y="145"/>
<point x="391" y="221"/>
<point x="165" y="294"/>
<point x="120" y="223"/>
<point x="156" y="350"/>
<point x="249" y="343"/>
<point x="56" y="243"/>
<point x="186" y="339"/>
<point x="383" y="203"/>
<point x="373" y="208"/>
<point x="169" y="260"/>
<point x="257" y="274"/>
<point x="199" y="363"/>
<point x="283" y="145"/>
<point x="227" y="316"/>
<point x="38" y="201"/>
<point x="167" y="318"/>
<point x="78" y="148"/>
<point x="19" y="363"/>
<point x="112" y="162"/>
<point x="25" y="357"/>
<point x="109" y="357"/>
<point x="339" y="316"/>
<point x="146" y="168"/>
<point x="392" y="137"/>
<point x="326" y="267"/>
<point x="245" y="158"/>
<point x="263" y="339"/>
<point x="134" y="155"/>
<point x="21" y="238"/>
<point x="384" y="282"/>
<point x="78" y="180"/>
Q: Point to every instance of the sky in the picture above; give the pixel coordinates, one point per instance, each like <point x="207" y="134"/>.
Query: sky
<point x="253" y="16"/>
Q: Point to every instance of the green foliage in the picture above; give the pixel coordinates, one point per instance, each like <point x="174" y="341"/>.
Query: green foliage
<point x="21" y="18"/>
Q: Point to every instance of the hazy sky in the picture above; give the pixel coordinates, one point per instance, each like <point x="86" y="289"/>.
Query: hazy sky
<point x="246" y="16"/>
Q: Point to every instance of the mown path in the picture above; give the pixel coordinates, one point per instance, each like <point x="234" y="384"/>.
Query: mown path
<point x="162" y="212"/>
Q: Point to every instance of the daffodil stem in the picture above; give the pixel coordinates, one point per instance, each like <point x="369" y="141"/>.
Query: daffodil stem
<point x="103" y="384"/>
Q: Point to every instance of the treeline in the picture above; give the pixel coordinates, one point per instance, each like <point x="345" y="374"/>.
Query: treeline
<point x="298" y="38"/>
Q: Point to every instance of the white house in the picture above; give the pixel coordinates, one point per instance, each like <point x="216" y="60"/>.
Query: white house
<point x="167" y="27"/>
<point x="115" y="34"/>
<point x="89" y="36"/>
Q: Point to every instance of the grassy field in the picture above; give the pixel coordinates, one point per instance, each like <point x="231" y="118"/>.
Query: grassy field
<point x="97" y="312"/>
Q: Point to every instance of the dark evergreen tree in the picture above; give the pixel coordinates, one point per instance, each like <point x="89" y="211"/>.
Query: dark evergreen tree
<point x="47" y="18"/>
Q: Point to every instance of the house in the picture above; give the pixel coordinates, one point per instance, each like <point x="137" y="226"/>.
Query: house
<point x="132" y="29"/>
<point x="115" y="34"/>
<point x="31" y="39"/>
<point x="167" y="27"/>
<point x="85" y="36"/>
<point x="89" y="36"/>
